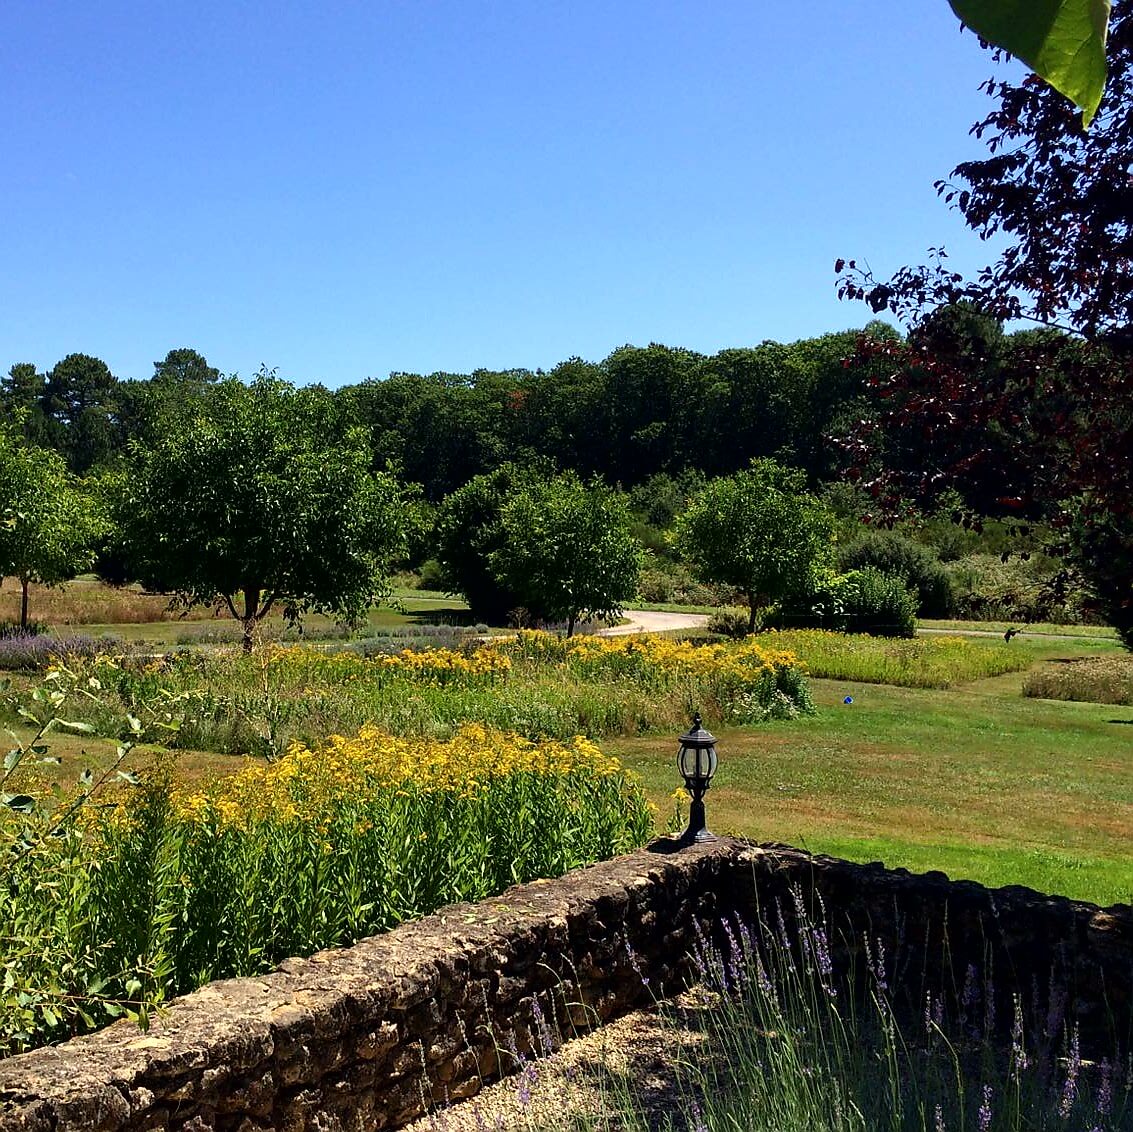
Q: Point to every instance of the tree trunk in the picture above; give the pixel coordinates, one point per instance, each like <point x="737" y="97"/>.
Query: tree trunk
<point x="750" y="613"/>
<point x="251" y="617"/>
<point x="570" y="625"/>
<point x="24" y="603"/>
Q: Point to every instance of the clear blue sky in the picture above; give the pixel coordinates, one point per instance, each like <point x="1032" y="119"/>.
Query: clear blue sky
<point x="342" y="190"/>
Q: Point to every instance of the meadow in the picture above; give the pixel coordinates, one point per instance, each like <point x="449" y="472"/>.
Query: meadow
<point x="385" y="780"/>
<point x="535" y="684"/>
<point x="1093" y="679"/>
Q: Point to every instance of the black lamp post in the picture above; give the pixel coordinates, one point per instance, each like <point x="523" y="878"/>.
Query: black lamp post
<point x="696" y="761"/>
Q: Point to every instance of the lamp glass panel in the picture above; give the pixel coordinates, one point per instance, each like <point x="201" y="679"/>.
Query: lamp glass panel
<point x="697" y="762"/>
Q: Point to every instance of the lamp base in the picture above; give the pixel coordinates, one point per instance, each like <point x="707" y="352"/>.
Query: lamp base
<point x="697" y="832"/>
<point x="697" y="836"/>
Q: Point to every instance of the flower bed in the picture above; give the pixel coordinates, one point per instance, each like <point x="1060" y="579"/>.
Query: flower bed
<point x="534" y="684"/>
<point x="158" y="890"/>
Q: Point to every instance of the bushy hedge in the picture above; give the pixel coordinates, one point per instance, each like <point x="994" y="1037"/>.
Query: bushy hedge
<point x="860" y="601"/>
<point x="916" y="565"/>
<point x="988" y="588"/>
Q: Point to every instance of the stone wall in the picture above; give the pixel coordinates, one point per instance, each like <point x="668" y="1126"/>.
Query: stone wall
<point x="368" y="1037"/>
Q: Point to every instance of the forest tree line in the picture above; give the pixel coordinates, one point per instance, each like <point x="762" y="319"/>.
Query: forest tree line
<point x="639" y="413"/>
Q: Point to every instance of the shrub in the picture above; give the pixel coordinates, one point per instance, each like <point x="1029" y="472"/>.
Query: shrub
<point x="862" y="601"/>
<point x="431" y="576"/>
<point x="15" y="629"/>
<point x="916" y="565"/>
<point x="731" y="622"/>
<point x="672" y="583"/>
<point x="878" y="604"/>
<point x="987" y="588"/>
<point x="33" y="652"/>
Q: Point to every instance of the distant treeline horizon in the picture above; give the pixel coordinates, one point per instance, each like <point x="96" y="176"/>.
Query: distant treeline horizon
<point x="640" y="412"/>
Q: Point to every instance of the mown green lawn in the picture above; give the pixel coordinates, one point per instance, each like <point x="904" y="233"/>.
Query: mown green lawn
<point x="975" y="781"/>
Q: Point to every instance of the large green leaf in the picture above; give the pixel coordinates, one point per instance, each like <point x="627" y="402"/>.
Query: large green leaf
<point x="1063" y="41"/>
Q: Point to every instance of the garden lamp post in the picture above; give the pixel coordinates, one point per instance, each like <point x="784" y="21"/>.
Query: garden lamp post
<point x="696" y="760"/>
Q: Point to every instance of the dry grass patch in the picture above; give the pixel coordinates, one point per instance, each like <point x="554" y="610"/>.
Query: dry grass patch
<point x="86" y="601"/>
<point x="1092" y="679"/>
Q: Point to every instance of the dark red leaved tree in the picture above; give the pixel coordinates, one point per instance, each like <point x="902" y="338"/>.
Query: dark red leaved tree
<point x="1041" y="425"/>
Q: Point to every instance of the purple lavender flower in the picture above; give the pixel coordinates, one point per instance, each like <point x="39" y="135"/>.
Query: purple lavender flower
<point x="971" y="992"/>
<point x="822" y="958"/>
<point x="634" y="963"/>
<point x="984" y="1114"/>
<point x="546" y="1038"/>
<point x="876" y="964"/>
<point x="527" y="1077"/>
<point x="762" y="980"/>
<point x="781" y="929"/>
<point x="1104" y="1102"/>
<point x="938" y="1120"/>
<point x="1019" y="1059"/>
<point x="735" y="969"/>
<point x="698" y="1124"/>
<point x="33" y="652"/>
<point x="1073" y="1067"/>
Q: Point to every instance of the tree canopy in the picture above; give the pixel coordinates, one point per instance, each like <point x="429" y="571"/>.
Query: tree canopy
<point x="568" y="552"/>
<point x="759" y="531"/>
<point x="260" y="500"/>
<point x="48" y="525"/>
<point x="1044" y="422"/>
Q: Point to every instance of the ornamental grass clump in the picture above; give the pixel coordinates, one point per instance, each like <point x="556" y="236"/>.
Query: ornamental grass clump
<point x="159" y="889"/>
<point x="1095" y="679"/>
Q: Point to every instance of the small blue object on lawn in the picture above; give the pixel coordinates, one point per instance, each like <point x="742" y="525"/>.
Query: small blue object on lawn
<point x="848" y="700"/>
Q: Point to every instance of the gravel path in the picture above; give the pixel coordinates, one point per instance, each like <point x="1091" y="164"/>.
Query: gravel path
<point x="654" y="621"/>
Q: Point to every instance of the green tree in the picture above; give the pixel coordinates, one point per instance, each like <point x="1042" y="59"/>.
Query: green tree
<point x="78" y="404"/>
<point x="185" y="366"/>
<point x="48" y="524"/>
<point x="21" y="398"/>
<point x="759" y="531"/>
<point x="469" y="534"/>
<point x="567" y="549"/>
<point x="258" y="500"/>
<point x="438" y="431"/>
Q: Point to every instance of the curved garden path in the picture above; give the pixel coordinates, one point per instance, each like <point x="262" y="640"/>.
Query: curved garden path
<point x="654" y="621"/>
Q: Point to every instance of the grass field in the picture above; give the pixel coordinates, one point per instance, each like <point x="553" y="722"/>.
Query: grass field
<point x="975" y="781"/>
<point x="87" y="606"/>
